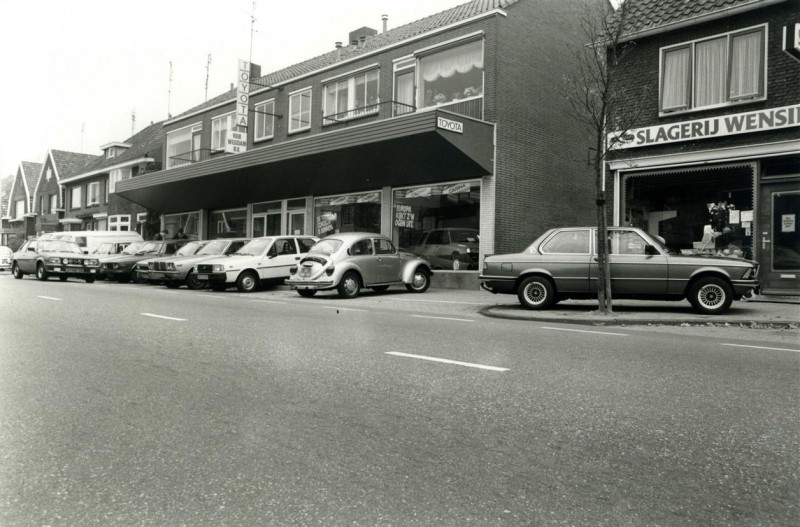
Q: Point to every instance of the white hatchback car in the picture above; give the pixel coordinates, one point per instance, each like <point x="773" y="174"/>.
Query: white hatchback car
<point x="262" y="259"/>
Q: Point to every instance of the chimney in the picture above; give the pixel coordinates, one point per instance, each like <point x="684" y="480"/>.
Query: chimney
<point x="355" y="37"/>
<point x="385" y="19"/>
<point x="361" y="40"/>
<point x="338" y="51"/>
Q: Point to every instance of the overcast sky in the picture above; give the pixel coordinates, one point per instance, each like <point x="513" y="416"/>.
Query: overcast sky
<point x="73" y="71"/>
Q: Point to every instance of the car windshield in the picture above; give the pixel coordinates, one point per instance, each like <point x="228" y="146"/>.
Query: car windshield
<point x="214" y="247"/>
<point x="104" y="248"/>
<point x="59" y="246"/>
<point x="254" y="247"/>
<point x="150" y="248"/>
<point x="189" y="249"/>
<point x="327" y="246"/>
<point x="132" y="248"/>
<point x="463" y="236"/>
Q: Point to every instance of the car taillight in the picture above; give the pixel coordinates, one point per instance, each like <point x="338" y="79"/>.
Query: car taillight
<point x="293" y="269"/>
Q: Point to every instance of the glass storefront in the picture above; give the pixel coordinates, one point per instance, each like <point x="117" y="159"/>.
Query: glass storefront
<point x="348" y="213"/>
<point x="228" y="224"/>
<point x="189" y="222"/>
<point x="703" y="211"/>
<point x="440" y="223"/>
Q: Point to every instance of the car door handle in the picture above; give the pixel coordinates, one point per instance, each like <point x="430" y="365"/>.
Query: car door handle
<point x="296" y="257"/>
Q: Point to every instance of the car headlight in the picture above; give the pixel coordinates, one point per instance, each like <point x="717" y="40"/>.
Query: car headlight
<point x="91" y="262"/>
<point x="170" y="266"/>
<point x="151" y="266"/>
<point x="55" y="260"/>
<point x="749" y="274"/>
<point x="217" y="268"/>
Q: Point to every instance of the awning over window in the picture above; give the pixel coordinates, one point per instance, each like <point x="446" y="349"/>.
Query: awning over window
<point x="422" y="147"/>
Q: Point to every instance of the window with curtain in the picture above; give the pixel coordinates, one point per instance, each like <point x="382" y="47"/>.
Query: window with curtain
<point x="300" y="111"/>
<point x="265" y="120"/>
<point x="219" y="130"/>
<point x="352" y="97"/>
<point x="180" y="146"/>
<point x="93" y="194"/>
<point x="75" y="198"/>
<point x="450" y="75"/>
<point x="115" y="176"/>
<point x="724" y="69"/>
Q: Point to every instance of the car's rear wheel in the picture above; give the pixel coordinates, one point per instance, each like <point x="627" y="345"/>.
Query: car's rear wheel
<point x="63" y="278"/>
<point x="306" y="293"/>
<point x="172" y="284"/>
<point x="349" y="286"/>
<point x="711" y="295"/>
<point x="90" y="279"/>
<point x="536" y="292"/>
<point x="247" y="282"/>
<point x="420" y="282"/>
<point x="15" y="270"/>
<point x="193" y="283"/>
<point x="41" y="271"/>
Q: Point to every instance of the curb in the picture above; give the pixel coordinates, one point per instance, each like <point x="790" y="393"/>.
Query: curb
<point x="622" y="320"/>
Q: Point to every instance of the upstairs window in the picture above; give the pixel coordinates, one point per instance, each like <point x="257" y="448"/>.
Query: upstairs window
<point x="265" y="120"/>
<point x="116" y="176"/>
<point x="451" y="75"/>
<point x="183" y="146"/>
<point x="75" y="198"/>
<point x="53" y="202"/>
<point x="722" y="70"/>
<point x="352" y="97"/>
<point x="19" y="208"/>
<point x="219" y="130"/>
<point x="404" y="74"/>
<point x="300" y="110"/>
<point x="93" y="193"/>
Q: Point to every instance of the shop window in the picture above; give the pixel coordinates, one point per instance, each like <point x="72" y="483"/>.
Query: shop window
<point x="786" y="235"/>
<point x="350" y="213"/>
<point x="265" y="120"/>
<point x="440" y="223"/>
<point x="189" y="222"/>
<point x="75" y="198"/>
<point x="718" y="71"/>
<point x="300" y="111"/>
<point x="219" y="130"/>
<point x="228" y="224"/>
<point x="700" y="212"/>
<point x="451" y="75"/>
<point x="351" y="98"/>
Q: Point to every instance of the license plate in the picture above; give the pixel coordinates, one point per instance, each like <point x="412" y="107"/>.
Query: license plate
<point x="74" y="270"/>
<point x="305" y="272"/>
<point x="202" y="277"/>
<point x="156" y="276"/>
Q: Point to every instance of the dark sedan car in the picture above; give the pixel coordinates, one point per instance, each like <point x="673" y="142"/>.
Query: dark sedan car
<point x="59" y="258"/>
<point x="562" y="263"/>
<point x="121" y="267"/>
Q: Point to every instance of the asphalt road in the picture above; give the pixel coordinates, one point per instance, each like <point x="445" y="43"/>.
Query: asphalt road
<point x="139" y="405"/>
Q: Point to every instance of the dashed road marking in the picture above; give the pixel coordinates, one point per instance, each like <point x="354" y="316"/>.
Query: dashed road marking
<point x="164" y="317"/>
<point x="342" y="308"/>
<point x="439" y="301"/>
<point x="586" y="331"/>
<point x="445" y="318"/>
<point x="446" y="361"/>
<point x="49" y="297"/>
<point x="266" y="301"/>
<point x="758" y="347"/>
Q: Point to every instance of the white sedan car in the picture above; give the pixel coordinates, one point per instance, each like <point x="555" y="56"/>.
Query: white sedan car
<point x="262" y="259"/>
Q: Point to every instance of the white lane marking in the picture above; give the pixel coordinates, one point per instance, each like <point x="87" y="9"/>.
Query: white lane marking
<point x="446" y="361"/>
<point x="439" y="301"/>
<point x="266" y="301"/>
<point x="162" y="316"/>
<point x="446" y="318"/>
<point x="342" y="308"/>
<point x="586" y="331"/>
<point x="759" y="347"/>
<point x="49" y="297"/>
<point x="212" y="296"/>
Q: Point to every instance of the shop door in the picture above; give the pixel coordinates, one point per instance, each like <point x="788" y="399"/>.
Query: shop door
<point x="779" y="238"/>
<point x="297" y="223"/>
<point x="266" y="225"/>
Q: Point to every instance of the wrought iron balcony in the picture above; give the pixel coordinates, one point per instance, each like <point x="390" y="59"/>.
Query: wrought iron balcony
<point x="371" y="112"/>
<point x="193" y="156"/>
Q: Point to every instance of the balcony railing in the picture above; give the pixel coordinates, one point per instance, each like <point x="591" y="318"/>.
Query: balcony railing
<point x="193" y="156"/>
<point x="372" y="112"/>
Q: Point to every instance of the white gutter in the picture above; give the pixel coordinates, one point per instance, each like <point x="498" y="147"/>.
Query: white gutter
<point x="107" y="169"/>
<point x="699" y="19"/>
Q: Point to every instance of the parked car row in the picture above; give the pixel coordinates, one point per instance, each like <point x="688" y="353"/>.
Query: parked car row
<point x="346" y="263"/>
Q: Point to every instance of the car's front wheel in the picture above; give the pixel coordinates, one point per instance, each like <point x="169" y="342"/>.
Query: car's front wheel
<point x="15" y="270"/>
<point x="349" y="286"/>
<point x="247" y="282"/>
<point x="536" y="292"/>
<point x="41" y="272"/>
<point x="306" y="293"/>
<point x="90" y="279"/>
<point x="193" y="283"/>
<point x="63" y="278"/>
<point x="711" y="295"/>
<point x="420" y="282"/>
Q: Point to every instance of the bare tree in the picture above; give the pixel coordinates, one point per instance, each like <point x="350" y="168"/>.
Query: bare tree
<point x="595" y="97"/>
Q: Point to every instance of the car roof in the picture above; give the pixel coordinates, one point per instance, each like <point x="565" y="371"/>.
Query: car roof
<point x="351" y="236"/>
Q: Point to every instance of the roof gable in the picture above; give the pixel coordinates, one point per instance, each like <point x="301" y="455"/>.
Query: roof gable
<point x="148" y="142"/>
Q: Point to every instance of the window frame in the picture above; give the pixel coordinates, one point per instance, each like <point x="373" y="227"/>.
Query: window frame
<point x="763" y="29"/>
<point x="93" y="188"/>
<point x="73" y="194"/>
<point x="53" y="202"/>
<point x="192" y="129"/>
<point x="351" y="79"/>
<point x="292" y="97"/>
<point x="432" y="51"/>
<point x="261" y="114"/>
<point x="117" y="221"/>
<point x="217" y="140"/>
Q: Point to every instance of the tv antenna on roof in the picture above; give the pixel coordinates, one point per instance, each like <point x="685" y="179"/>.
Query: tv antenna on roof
<point x="169" y="90"/>
<point x="252" y="30"/>
<point x="133" y="122"/>
<point x="208" y="68"/>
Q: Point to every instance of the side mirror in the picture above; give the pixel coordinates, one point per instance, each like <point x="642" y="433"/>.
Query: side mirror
<point x="650" y="250"/>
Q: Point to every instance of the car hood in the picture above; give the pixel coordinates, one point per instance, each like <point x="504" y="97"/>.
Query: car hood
<point x="66" y="255"/>
<point x="197" y="258"/>
<point x="233" y="261"/>
<point x="129" y="258"/>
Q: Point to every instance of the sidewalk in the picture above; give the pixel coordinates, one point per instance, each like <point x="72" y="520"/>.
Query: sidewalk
<point x="749" y="313"/>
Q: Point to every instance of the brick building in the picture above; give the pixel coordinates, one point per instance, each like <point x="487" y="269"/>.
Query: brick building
<point x="455" y="122"/>
<point x="48" y="193"/>
<point x="90" y="198"/>
<point x="713" y="164"/>
<point x="18" y="222"/>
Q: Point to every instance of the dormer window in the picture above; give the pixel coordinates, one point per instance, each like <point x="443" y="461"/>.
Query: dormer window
<point x="111" y="152"/>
